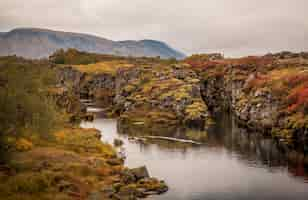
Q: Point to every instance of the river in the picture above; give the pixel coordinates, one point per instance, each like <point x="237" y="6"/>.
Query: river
<point x="231" y="164"/>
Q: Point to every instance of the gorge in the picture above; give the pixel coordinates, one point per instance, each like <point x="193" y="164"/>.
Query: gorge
<point x="211" y="127"/>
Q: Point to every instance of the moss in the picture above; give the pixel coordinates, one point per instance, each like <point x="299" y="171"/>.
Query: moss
<point x="195" y="110"/>
<point x="297" y="121"/>
<point x="178" y="94"/>
<point x="152" y="184"/>
<point x="286" y="134"/>
<point x="196" y="135"/>
<point x="149" y="117"/>
<point x="106" y="67"/>
<point x="129" y="88"/>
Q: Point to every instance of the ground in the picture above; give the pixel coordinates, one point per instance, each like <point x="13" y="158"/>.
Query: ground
<point x="75" y="164"/>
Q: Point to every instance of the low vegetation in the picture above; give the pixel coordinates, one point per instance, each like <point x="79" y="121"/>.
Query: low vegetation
<point x="44" y="152"/>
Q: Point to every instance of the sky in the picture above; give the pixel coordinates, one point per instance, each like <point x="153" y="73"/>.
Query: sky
<point x="232" y="27"/>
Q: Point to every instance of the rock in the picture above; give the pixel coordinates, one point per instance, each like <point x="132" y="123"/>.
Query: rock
<point x="128" y="190"/>
<point x="88" y="117"/>
<point x="163" y="94"/>
<point x="152" y="186"/>
<point x="66" y="186"/>
<point x="95" y="196"/>
<point x="117" y="186"/>
<point x="306" y="161"/>
<point x="108" y="191"/>
<point x="140" y="172"/>
<point x="128" y="177"/>
<point x="117" y="142"/>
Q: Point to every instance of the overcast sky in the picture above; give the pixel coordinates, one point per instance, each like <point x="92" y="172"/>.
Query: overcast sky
<point x="234" y="27"/>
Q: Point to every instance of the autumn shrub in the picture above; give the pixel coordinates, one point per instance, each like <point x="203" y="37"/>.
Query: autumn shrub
<point x="297" y="79"/>
<point x="298" y="99"/>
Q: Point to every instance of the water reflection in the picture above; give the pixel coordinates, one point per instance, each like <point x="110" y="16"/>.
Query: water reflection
<point x="231" y="164"/>
<point x="255" y="149"/>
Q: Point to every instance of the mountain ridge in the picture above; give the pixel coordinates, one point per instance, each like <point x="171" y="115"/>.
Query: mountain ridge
<point x="39" y="43"/>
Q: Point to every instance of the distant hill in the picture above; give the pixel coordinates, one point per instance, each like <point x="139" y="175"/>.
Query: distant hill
<point x="39" y="43"/>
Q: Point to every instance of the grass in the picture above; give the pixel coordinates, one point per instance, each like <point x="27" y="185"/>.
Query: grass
<point x="69" y="167"/>
<point x="83" y="141"/>
<point x="106" y="67"/>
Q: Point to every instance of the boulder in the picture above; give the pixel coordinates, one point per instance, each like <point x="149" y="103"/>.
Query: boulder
<point x="140" y="172"/>
<point x="117" y="142"/>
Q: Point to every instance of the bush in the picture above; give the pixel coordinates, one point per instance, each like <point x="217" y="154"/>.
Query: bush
<point x="25" y="106"/>
<point x="298" y="99"/>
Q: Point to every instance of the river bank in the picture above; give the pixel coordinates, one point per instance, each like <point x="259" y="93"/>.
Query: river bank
<point x="230" y="164"/>
<point x="44" y="152"/>
<point x="77" y="165"/>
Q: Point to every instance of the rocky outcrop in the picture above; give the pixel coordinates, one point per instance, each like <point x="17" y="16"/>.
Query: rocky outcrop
<point x="99" y="87"/>
<point x="264" y="93"/>
<point x="256" y="109"/>
<point x="149" y="95"/>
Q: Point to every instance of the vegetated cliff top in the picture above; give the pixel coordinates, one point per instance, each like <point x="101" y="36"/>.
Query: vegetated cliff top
<point x="38" y="43"/>
<point x="275" y="85"/>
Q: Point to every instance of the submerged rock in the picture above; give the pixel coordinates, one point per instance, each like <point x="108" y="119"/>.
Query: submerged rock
<point x="117" y="142"/>
<point x="140" y="172"/>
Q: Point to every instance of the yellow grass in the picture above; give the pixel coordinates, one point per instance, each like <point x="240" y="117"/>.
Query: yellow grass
<point x="108" y="67"/>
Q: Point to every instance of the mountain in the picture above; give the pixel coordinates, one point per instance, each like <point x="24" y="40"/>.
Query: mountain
<point x="39" y="43"/>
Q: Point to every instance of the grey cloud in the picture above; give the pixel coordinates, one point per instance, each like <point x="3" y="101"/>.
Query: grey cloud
<point x="235" y="27"/>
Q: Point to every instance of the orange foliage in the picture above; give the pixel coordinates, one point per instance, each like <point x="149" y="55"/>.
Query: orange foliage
<point x="202" y="64"/>
<point x="105" y="171"/>
<point x="199" y="62"/>
<point x="298" y="98"/>
<point x="297" y="79"/>
<point x="252" y="60"/>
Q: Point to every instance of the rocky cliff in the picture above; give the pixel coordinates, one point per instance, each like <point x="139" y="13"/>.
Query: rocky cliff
<point x="265" y="93"/>
<point x="161" y="95"/>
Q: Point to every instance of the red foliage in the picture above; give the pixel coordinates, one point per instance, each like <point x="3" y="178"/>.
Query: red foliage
<point x="241" y="63"/>
<point x="297" y="79"/>
<point x="202" y="64"/>
<point x="298" y="98"/>
<point x="253" y="60"/>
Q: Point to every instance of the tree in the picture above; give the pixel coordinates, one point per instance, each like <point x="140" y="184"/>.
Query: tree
<point x="25" y="106"/>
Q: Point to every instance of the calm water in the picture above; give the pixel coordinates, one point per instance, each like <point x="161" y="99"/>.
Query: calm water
<point x="231" y="164"/>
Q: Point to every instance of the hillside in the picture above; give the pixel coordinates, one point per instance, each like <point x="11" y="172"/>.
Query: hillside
<point x="38" y="43"/>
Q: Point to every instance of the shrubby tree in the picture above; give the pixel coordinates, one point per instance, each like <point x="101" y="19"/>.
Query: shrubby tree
<point x="26" y="109"/>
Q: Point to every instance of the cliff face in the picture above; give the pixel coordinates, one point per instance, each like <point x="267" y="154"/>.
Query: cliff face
<point x="145" y="93"/>
<point x="264" y="93"/>
<point x="267" y="93"/>
<point x="160" y="95"/>
<point x="100" y="87"/>
<point x="38" y="43"/>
